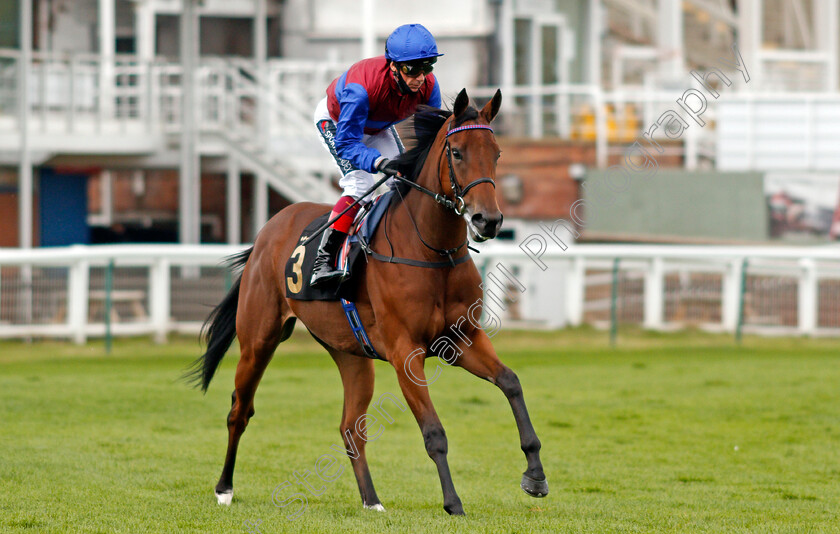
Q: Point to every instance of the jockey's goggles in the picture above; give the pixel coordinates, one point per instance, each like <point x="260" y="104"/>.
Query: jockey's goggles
<point x="414" y="68"/>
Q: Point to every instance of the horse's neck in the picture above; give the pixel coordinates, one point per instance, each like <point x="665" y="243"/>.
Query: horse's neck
<point x="439" y="227"/>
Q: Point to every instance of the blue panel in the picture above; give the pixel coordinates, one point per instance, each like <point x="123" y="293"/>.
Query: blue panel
<point x="63" y="209"/>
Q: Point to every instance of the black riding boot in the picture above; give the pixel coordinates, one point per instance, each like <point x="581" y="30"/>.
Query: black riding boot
<point x="323" y="270"/>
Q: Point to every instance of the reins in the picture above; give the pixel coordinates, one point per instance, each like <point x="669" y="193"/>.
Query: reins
<point x="458" y="205"/>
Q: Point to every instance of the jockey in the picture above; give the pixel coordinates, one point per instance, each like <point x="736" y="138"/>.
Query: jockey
<point x="355" y="121"/>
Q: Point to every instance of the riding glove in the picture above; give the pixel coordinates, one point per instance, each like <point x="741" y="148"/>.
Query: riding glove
<point x="386" y="166"/>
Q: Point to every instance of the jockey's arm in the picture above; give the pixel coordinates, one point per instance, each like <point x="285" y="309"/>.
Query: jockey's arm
<point x="351" y="127"/>
<point x="434" y="97"/>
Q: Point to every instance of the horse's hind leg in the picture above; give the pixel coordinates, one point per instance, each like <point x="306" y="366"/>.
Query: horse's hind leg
<point x="263" y="321"/>
<point x="357" y="376"/>
<point x="481" y="360"/>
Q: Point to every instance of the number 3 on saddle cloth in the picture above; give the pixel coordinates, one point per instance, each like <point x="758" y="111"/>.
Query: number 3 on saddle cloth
<point x="299" y="266"/>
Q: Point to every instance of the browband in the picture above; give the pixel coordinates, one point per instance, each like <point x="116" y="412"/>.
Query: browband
<point x="468" y="127"/>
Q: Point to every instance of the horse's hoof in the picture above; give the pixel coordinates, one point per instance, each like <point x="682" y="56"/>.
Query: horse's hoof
<point x="454" y="509"/>
<point x="224" y="497"/>
<point x="375" y="507"/>
<point x="534" y="488"/>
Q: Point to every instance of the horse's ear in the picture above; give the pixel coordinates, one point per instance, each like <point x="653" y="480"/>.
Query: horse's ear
<point x="461" y="103"/>
<point x="491" y="108"/>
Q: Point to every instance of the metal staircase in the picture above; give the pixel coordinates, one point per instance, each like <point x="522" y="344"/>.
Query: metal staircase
<point x="264" y="118"/>
<point x="262" y="115"/>
<point x="297" y="185"/>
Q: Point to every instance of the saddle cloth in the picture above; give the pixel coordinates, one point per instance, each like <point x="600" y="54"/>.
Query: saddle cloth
<point x="298" y="268"/>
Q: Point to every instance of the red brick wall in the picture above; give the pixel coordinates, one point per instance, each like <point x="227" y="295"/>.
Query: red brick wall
<point x="160" y="197"/>
<point x="9" y="209"/>
<point x="8" y="220"/>
<point x="543" y="166"/>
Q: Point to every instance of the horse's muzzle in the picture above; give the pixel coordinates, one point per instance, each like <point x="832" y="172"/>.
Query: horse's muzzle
<point x="486" y="227"/>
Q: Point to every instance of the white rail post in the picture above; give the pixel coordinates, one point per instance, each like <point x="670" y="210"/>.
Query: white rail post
<point x="731" y="295"/>
<point x="535" y="108"/>
<point x="601" y="134"/>
<point x="368" y="28"/>
<point x="233" y="201"/>
<point x="692" y="139"/>
<point x="654" y="293"/>
<point x="575" y="291"/>
<point x="159" y="283"/>
<point x="260" y="208"/>
<point x="807" y="305"/>
<point x="825" y="25"/>
<point x="77" y="300"/>
<point x="25" y="183"/>
<point x="670" y="39"/>
<point x="189" y="181"/>
<point x="260" y="52"/>
<point x="107" y="60"/>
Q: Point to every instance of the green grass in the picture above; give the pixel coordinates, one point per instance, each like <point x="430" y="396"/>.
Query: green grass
<point x="667" y="433"/>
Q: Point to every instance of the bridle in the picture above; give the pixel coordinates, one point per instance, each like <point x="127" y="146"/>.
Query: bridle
<point x="453" y="182"/>
<point x="458" y="205"/>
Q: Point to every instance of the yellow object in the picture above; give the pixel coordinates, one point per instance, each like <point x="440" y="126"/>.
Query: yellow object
<point x="621" y="127"/>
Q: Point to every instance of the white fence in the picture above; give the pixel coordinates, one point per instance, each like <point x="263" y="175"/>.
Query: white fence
<point x="159" y="289"/>
<point x="765" y="290"/>
<point x="153" y="289"/>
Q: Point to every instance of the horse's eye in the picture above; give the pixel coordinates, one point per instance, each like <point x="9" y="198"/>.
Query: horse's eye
<point x="456" y="153"/>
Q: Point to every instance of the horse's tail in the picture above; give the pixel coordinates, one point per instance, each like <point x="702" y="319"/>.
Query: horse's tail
<point x="219" y="330"/>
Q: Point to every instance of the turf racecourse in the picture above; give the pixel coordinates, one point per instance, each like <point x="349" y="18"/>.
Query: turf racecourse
<point x="667" y="433"/>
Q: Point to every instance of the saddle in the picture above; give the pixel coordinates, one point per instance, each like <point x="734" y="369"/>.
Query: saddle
<point x="298" y="268"/>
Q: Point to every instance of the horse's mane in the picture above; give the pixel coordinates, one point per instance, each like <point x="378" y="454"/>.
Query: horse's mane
<point x="417" y="134"/>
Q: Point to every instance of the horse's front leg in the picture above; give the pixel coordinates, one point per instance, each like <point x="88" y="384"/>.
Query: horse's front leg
<point x="481" y="360"/>
<point x="412" y="379"/>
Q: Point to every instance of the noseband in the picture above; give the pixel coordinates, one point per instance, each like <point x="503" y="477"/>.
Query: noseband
<point x="453" y="182"/>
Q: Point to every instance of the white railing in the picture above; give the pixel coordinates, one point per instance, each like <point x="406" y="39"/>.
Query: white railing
<point x="159" y="289"/>
<point x="610" y="119"/>
<point x="790" y="132"/>
<point x="78" y="94"/>
<point x="73" y="91"/>
<point x="764" y="290"/>
<point x="147" y="289"/>
<point x="82" y="93"/>
<point x="127" y="106"/>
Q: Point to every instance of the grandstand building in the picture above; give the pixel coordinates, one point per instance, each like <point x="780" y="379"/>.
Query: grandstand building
<point x="190" y="120"/>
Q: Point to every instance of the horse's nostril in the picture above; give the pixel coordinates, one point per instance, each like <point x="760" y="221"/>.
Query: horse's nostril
<point x="478" y="219"/>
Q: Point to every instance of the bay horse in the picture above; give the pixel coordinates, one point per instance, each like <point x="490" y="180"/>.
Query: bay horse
<point x="403" y="306"/>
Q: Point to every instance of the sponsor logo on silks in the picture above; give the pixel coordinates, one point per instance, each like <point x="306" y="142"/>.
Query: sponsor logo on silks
<point x="329" y="136"/>
<point x="345" y="166"/>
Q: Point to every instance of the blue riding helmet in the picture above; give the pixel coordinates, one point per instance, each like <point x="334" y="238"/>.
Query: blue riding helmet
<point x="410" y="42"/>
